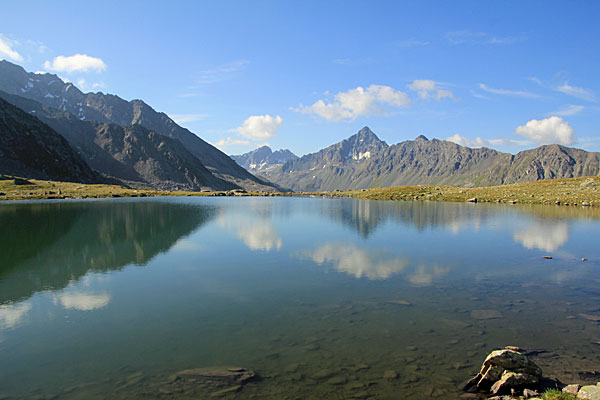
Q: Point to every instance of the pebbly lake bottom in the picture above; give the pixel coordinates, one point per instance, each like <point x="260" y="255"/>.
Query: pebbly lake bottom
<point x="321" y="298"/>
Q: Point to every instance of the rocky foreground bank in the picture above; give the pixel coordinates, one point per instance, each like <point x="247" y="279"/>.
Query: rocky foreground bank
<point x="509" y="374"/>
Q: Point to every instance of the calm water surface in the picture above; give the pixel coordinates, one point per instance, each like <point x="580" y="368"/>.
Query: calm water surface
<point x="322" y="298"/>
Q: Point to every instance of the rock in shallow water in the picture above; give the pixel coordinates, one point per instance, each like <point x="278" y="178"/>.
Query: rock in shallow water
<point x="234" y="374"/>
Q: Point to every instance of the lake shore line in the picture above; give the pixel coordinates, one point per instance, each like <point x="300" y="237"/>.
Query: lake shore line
<point x="569" y="192"/>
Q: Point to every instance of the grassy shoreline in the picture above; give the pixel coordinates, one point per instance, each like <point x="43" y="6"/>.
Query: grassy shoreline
<point x="575" y="191"/>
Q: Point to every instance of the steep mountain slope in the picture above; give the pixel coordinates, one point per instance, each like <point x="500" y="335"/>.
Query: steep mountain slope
<point x="30" y="148"/>
<point x="263" y="158"/>
<point x="51" y="91"/>
<point x="363" y="161"/>
<point x="132" y="154"/>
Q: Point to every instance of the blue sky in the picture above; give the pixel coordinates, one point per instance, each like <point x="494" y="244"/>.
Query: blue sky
<point x="305" y="74"/>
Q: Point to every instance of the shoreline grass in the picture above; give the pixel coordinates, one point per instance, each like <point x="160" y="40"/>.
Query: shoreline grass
<point x="574" y="191"/>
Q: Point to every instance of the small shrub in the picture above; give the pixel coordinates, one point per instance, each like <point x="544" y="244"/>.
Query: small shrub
<point x="553" y="394"/>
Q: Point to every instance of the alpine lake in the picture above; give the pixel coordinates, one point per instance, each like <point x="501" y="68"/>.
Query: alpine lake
<point x="308" y="298"/>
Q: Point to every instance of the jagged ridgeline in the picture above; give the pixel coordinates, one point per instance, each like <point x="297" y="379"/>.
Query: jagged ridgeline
<point x="364" y="161"/>
<point x="125" y="139"/>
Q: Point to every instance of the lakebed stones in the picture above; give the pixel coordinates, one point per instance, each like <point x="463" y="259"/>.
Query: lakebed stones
<point x="505" y="371"/>
<point x="229" y="374"/>
<point x="213" y="381"/>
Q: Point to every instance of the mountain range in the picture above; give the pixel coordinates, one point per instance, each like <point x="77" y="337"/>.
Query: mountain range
<point x="49" y="129"/>
<point x="173" y="157"/>
<point x="363" y="161"/>
<point x="263" y="159"/>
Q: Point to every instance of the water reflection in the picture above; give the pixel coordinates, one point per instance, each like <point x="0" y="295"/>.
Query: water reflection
<point x="81" y="301"/>
<point x="49" y="245"/>
<point x="373" y="264"/>
<point x="13" y="314"/>
<point x="358" y="262"/>
<point x="544" y="235"/>
<point x="252" y="225"/>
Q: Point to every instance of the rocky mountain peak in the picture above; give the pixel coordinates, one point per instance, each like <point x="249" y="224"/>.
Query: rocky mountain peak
<point x="422" y="137"/>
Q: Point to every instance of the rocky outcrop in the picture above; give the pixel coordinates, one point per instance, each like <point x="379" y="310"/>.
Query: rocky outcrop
<point x="504" y="372"/>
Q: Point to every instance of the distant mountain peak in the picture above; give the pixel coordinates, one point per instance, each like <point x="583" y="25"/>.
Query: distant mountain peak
<point x="263" y="158"/>
<point x="422" y="137"/>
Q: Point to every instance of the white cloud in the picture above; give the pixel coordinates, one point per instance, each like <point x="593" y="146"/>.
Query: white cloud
<point x="428" y="89"/>
<point x="7" y="50"/>
<point x="547" y="236"/>
<point x="465" y="141"/>
<point x="568" y="110"/>
<point x="357" y="262"/>
<point x="82" y="301"/>
<point x="514" y="93"/>
<point x="260" y="127"/>
<point x="481" y="142"/>
<point x="357" y="102"/>
<point x="75" y="63"/>
<point x="575" y="91"/>
<point x="185" y="118"/>
<point x="225" y="143"/>
<point x="12" y="314"/>
<point x="86" y="87"/>
<point x="547" y="131"/>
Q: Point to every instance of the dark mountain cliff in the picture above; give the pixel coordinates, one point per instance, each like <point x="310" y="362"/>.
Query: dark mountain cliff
<point x="30" y="148"/>
<point x="132" y="154"/>
<point x="51" y="91"/>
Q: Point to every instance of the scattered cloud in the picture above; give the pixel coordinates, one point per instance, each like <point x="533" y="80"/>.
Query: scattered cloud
<point x="547" y="131"/>
<point x="260" y="127"/>
<point x="505" y="92"/>
<point x="220" y="73"/>
<point x="547" y="236"/>
<point x="479" y="95"/>
<point x="7" y="49"/>
<point x="353" y="103"/>
<point x="186" y="118"/>
<point x="75" y="63"/>
<point x="82" y="301"/>
<point x="575" y="91"/>
<point x="228" y="142"/>
<point x="481" y="142"/>
<point x="428" y="89"/>
<point x="465" y="36"/>
<point x="12" y="315"/>
<point x="357" y="262"/>
<point x="569" y="109"/>
<point x="86" y="87"/>
<point x="412" y="42"/>
<point x="536" y="80"/>
<point x="470" y="37"/>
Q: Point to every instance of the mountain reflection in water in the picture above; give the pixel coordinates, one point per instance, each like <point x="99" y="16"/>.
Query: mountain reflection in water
<point x="50" y="244"/>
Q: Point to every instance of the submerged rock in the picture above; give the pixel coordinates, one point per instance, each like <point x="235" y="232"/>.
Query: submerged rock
<point x="233" y="374"/>
<point x="485" y="314"/>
